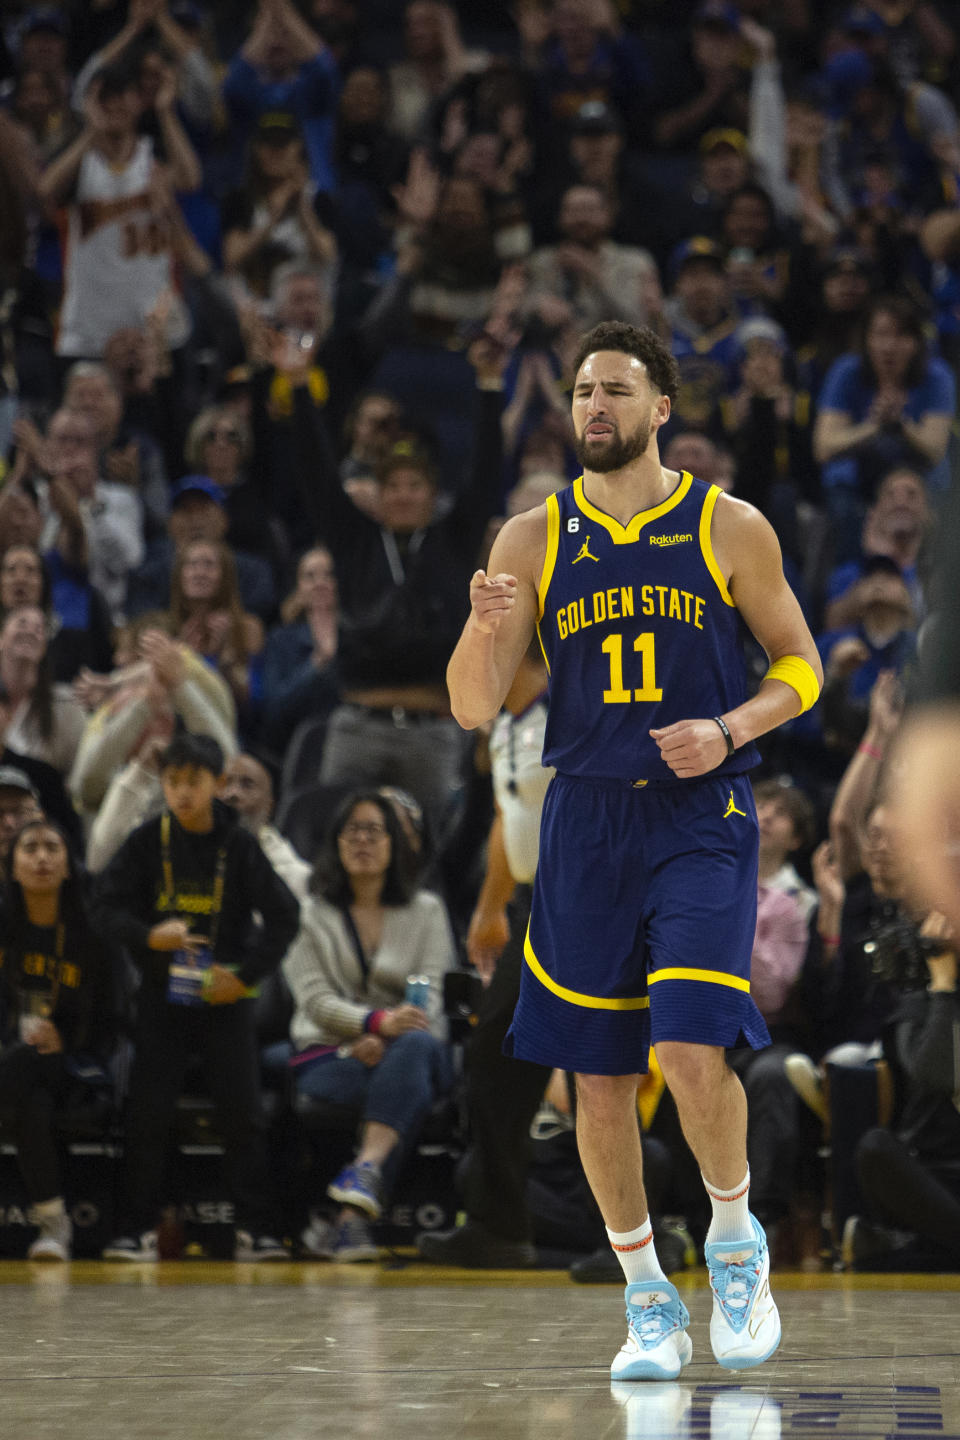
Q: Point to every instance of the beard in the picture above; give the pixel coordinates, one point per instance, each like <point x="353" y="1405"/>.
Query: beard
<point x="614" y="452"/>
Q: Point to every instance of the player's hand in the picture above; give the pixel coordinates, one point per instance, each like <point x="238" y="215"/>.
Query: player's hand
<point x="691" y="747"/>
<point x="491" y="600"/>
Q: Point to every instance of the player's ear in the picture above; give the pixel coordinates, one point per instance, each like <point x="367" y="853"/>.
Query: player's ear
<point x="661" y="412"/>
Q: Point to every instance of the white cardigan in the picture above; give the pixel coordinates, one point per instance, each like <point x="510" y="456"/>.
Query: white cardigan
<point x="325" y="975"/>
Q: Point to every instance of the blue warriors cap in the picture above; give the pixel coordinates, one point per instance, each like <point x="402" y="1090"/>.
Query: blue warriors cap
<point x="198" y="485"/>
<point x="698" y="247"/>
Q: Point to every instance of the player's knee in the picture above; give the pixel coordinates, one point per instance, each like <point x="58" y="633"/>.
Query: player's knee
<point x="691" y="1071"/>
<point x="598" y="1095"/>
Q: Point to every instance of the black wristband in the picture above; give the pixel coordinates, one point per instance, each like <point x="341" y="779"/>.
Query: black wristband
<point x="731" y="748"/>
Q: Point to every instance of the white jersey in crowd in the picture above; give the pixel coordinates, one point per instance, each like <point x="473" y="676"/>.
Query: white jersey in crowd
<point x="118" y="258"/>
<point x="519" y="783"/>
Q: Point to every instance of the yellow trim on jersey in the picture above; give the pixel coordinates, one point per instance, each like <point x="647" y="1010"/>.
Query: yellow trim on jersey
<point x="706" y="544"/>
<point x="796" y="672"/>
<point x="574" y="997"/>
<point x="553" y="545"/>
<point x="711" y="977"/>
<point x="627" y="534"/>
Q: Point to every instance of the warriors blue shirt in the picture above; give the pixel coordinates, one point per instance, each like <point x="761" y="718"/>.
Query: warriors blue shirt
<point x="639" y="630"/>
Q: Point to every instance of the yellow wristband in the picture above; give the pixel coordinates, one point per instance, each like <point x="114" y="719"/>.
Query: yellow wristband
<point x="794" y="671"/>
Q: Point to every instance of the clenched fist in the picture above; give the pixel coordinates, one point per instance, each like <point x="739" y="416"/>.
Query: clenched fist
<point x="491" y="600"/>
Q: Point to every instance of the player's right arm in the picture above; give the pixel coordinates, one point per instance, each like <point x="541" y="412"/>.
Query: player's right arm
<point x="504" y="606"/>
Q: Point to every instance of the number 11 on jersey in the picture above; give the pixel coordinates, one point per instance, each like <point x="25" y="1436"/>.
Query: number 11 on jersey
<point x="617" y="695"/>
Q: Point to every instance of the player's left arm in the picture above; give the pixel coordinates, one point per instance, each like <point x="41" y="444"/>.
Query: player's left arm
<point x="748" y="554"/>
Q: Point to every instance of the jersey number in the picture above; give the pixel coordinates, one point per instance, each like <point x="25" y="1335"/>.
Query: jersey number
<point x="617" y="695"/>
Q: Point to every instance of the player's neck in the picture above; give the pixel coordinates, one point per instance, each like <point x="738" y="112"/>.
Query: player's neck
<point x="638" y="486"/>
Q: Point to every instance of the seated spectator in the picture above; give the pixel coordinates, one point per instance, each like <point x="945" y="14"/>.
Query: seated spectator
<point x="285" y="67"/>
<point x="278" y="215"/>
<point x="908" y="1177"/>
<point x="897" y="525"/>
<point x="206" y="613"/>
<point x="831" y="327"/>
<point x="247" y="787"/>
<point x="889" y="404"/>
<point x="181" y="895"/>
<point x="198" y="511"/>
<point x="703" y="320"/>
<point x="160" y="684"/>
<point x="77" y="617"/>
<point x="299" y="661"/>
<point x="598" y="278"/>
<point x="127" y="457"/>
<point x="19" y="803"/>
<point x="880" y="636"/>
<point x="117" y="265"/>
<point x="787" y="824"/>
<point x="58" y="1001"/>
<point x="698" y="454"/>
<point x="43" y="720"/>
<point x="363" y="932"/>
<point x="219" y="446"/>
<point x="758" y="262"/>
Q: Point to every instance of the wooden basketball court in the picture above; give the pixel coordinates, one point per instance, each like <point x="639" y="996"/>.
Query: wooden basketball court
<point x="201" y="1351"/>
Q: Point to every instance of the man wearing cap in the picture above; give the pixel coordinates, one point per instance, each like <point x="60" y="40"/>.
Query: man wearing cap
<point x="596" y="156"/>
<point x="703" y="323"/>
<point x="198" y="512"/>
<point x="598" y="278"/>
<point x="18" y="804"/>
<point x="286" y="67"/>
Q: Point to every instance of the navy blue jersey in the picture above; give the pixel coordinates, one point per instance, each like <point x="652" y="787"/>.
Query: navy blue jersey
<point x="639" y="631"/>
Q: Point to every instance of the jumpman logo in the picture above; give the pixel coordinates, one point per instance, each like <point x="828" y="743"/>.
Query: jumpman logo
<point x="584" y="553"/>
<point x="732" y="809"/>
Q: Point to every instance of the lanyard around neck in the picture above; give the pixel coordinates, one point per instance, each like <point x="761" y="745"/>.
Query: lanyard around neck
<point x="168" y="882"/>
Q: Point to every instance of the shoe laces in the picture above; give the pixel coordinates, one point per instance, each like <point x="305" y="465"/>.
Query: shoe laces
<point x="734" y="1284"/>
<point x="653" y="1324"/>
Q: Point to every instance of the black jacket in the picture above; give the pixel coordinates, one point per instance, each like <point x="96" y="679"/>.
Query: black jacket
<point x="84" y="982"/>
<point x="259" y="916"/>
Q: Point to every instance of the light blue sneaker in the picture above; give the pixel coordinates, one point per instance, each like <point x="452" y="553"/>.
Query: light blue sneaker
<point x="359" y="1185"/>
<point x="745" y="1324"/>
<point x="657" y="1346"/>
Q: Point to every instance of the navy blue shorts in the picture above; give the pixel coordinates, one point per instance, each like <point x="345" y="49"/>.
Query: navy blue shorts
<point x="642" y="926"/>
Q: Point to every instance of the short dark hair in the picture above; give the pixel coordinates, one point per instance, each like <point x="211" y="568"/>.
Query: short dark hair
<point x="117" y="78"/>
<point x="642" y="343"/>
<point x="797" y="804"/>
<point x="330" y="880"/>
<point x="200" y="751"/>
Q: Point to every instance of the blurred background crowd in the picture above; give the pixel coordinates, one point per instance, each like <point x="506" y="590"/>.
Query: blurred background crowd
<point x="288" y="297"/>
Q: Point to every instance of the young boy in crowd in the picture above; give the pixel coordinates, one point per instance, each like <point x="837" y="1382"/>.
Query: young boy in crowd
<point x="205" y="916"/>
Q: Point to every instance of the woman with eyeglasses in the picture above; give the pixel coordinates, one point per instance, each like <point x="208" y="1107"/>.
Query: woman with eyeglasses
<point x="219" y="445"/>
<point x="356" y="1039"/>
<point x="57" y="1013"/>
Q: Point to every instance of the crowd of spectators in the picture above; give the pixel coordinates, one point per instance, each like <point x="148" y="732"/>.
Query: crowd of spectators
<point x="289" y="292"/>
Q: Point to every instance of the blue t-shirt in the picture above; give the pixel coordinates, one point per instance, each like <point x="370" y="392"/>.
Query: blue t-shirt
<point x="848" y="389"/>
<point x="311" y="96"/>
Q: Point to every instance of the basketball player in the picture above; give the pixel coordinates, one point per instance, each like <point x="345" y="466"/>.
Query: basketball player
<point x="644" y="904"/>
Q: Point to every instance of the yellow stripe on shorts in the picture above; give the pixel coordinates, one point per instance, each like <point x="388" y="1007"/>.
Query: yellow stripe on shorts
<point x="710" y="977"/>
<point x="574" y="997"/>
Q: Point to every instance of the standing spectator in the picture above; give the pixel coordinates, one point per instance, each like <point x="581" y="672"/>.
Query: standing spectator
<point x="57" y="991"/>
<point x="181" y="895"/>
<point x="713" y="82"/>
<point x="597" y="277"/>
<point x="889" y="404"/>
<point x="435" y="58"/>
<point x="247" y="787"/>
<point x="95" y="525"/>
<point x="43" y="719"/>
<point x="299" y="662"/>
<point x="366" y="929"/>
<point x="581" y="52"/>
<point x="206" y="613"/>
<point x="127" y="457"/>
<point x="274" y="217"/>
<point x="118" y="257"/>
<point x="284" y="67"/>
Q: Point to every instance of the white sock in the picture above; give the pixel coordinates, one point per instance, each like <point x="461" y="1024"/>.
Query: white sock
<point x="731" y="1211"/>
<point x="635" y="1251"/>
